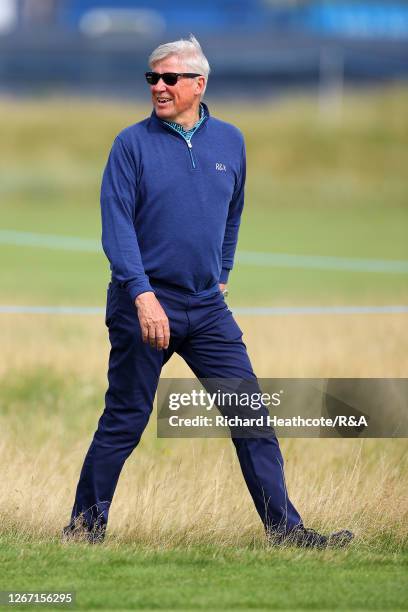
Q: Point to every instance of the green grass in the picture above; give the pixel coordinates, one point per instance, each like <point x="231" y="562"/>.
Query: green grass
<point x="314" y="188"/>
<point x="253" y="577"/>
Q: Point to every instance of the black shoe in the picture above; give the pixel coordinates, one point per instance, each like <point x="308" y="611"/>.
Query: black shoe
<point x="79" y="532"/>
<point x="339" y="539"/>
<point x="309" y="538"/>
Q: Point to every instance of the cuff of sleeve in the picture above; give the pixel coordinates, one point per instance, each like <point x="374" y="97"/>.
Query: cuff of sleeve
<point x="137" y="287"/>
<point x="224" y="276"/>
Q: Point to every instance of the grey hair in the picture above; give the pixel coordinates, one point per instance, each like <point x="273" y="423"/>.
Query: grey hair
<point x="188" y="50"/>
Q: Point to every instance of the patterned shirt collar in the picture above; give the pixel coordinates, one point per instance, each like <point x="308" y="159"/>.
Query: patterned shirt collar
<point x="187" y="133"/>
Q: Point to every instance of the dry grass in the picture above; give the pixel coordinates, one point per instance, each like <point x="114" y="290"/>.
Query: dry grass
<point x="298" y="346"/>
<point x="190" y="492"/>
<point x="176" y="492"/>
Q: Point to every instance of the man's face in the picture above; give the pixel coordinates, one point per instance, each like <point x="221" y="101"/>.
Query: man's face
<point x="174" y="102"/>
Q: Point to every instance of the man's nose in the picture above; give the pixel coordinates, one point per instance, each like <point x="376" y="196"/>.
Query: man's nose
<point x="160" y="86"/>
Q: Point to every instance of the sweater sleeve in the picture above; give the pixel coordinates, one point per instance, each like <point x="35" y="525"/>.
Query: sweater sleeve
<point x="119" y="240"/>
<point x="233" y="221"/>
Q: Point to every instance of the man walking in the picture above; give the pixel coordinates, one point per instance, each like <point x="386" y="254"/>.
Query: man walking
<point x="172" y="197"/>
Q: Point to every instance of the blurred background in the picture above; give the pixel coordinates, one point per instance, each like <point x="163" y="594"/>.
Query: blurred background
<point x="254" y="46"/>
<point x="318" y="88"/>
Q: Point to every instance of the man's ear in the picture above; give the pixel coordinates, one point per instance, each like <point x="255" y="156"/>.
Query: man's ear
<point x="200" y="84"/>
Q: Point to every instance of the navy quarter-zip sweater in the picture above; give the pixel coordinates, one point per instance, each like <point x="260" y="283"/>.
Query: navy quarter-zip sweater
<point x="170" y="211"/>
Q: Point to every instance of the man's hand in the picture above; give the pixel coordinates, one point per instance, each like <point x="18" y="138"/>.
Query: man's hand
<point x="153" y="320"/>
<point x="223" y="286"/>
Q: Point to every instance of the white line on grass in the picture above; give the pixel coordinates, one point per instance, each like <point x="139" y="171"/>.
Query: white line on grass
<point x="261" y="311"/>
<point x="277" y="260"/>
<point x="50" y="241"/>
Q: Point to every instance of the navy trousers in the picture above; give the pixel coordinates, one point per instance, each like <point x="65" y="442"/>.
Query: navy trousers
<point x="204" y="332"/>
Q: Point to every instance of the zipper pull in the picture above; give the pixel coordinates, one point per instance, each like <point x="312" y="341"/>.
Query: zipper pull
<point x="190" y="146"/>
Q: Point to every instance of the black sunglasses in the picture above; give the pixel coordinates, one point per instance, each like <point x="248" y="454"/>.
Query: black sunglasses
<point x="170" y="78"/>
